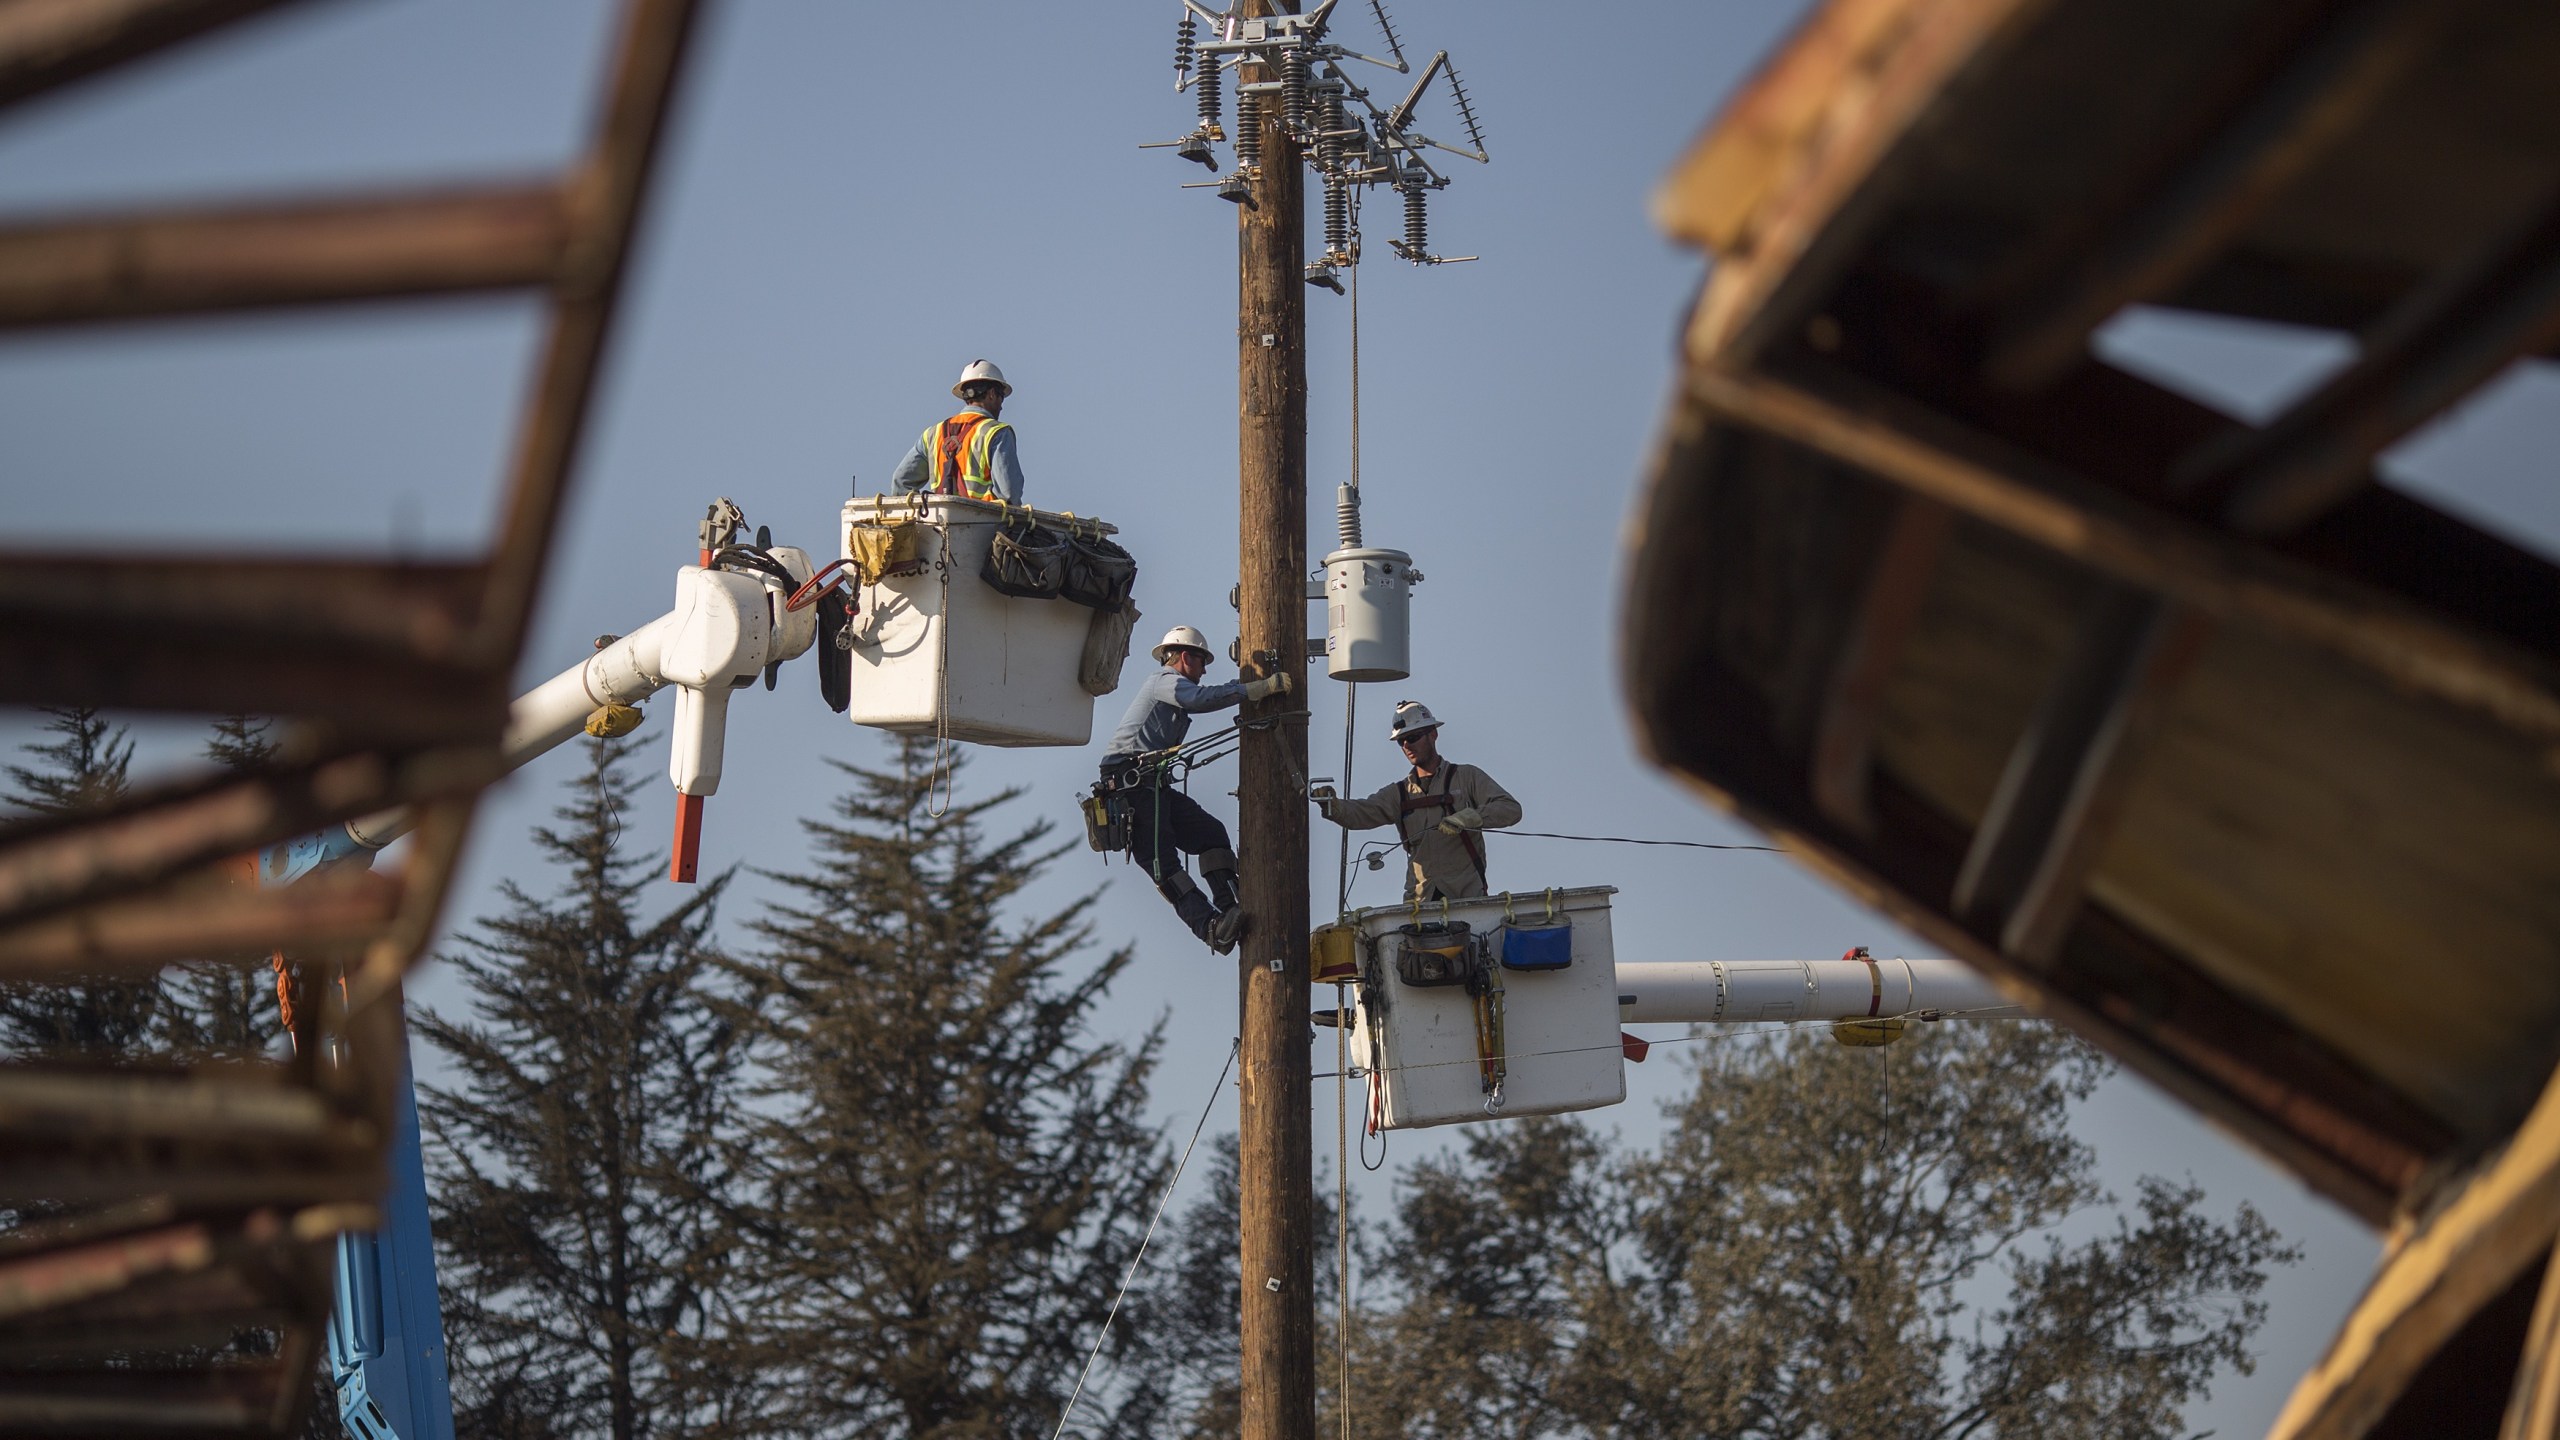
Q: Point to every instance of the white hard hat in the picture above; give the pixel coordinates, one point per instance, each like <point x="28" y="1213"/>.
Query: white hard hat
<point x="1181" y="637"/>
<point x="1412" y="718"/>
<point x="980" y="370"/>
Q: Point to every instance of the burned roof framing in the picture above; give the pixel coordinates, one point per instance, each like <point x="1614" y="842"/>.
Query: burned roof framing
<point x="2192" y="732"/>
<point x="194" y="1203"/>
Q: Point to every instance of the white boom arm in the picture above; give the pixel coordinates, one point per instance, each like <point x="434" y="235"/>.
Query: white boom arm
<point x="1713" y="992"/>
<point x="726" y="627"/>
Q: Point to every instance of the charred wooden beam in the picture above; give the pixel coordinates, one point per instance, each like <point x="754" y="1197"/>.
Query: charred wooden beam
<point x="286" y="1180"/>
<point x="2438" y="345"/>
<point x="114" y="1106"/>
<point x="1845" y="733"/>
<point x="41" y="1282"/>
<point x="379" y="247"/>
<point x="1779" y="191"/>
<point x="139" y="934"/>
<point x="49" y="43"/>
<point x="2100" y="424"/>
<point x="2218" y="574"/>
<point x="610" y="190"/>
<point x="54" y="864"/>
<point x="2349" y="1135"/>
<point x="2533" y="1403"/>
<point x="2495" y="1227"/>
<point x="2328" y="84"/>
<point x="2059" y="795"/>
<point x="384" y="650"/>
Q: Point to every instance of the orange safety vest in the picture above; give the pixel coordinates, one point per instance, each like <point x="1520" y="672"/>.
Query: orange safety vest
<point x="959" y="453"/>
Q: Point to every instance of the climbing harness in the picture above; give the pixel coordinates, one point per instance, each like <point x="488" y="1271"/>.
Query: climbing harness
<point x="962" y="452"/>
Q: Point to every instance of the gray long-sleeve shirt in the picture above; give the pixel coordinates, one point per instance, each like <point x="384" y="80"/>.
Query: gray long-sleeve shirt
<point x="1003" y="467"/>
<point x="1160" y="714"/>
<point x="1444" y="866"/>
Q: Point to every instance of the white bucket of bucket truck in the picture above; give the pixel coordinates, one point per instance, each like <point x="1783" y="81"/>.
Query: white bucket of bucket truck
<point x="1430" y="1050"/>
<point x="939" y="651"/>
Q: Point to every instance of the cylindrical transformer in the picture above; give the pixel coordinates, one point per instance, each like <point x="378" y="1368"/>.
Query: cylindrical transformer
<point x="1368" y="622"/>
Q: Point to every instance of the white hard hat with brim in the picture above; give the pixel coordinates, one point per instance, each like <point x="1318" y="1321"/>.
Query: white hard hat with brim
<point x="1180" y="637"/>
<point x="1412" y="718"/>
<point x="980" y="372"/>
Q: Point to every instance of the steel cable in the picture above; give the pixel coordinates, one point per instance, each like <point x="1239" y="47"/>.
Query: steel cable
<point x="1140" y="1258"/>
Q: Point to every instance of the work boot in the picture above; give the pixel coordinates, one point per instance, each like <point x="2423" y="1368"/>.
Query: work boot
<point x="1228" y="928"/>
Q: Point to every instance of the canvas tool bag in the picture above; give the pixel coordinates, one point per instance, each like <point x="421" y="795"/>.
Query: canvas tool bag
<point x="1106" y="649"/>
<point x="1437" y="952"/>
<point x="881" y="549"/>
<point x="1100" y="574"/>
<point x="1026" y="559"/>
<point x="1546" y="945"/>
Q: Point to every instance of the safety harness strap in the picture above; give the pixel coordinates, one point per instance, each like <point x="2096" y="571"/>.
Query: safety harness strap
<point x="1443" y="800"/>
<point x="961" y="448"/>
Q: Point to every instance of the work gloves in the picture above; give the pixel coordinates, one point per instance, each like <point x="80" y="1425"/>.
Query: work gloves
<point x="1323" y="796"/>
<point x="1275" y="683"/>
<point x="1470" y="818"/>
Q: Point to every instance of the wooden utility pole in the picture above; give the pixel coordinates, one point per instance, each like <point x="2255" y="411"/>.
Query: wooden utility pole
<point x="1275" y="1146"/>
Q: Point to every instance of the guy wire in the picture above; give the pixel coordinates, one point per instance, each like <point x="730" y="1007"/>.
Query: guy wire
<point x="1136" y="1260"/>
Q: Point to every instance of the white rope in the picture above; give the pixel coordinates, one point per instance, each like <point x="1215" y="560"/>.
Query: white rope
<point x="1140" y="1258"/>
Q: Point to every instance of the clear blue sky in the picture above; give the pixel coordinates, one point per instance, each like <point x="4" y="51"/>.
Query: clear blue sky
<point x="859" y="199"/>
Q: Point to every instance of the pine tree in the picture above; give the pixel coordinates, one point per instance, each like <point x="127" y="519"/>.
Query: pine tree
<point x="81" y="770"/>
<point x="575" y="1165"/>
<point x="1822" y="1247"/>
<point x="953" y="1171"/>
<point x="228" y="1008"/>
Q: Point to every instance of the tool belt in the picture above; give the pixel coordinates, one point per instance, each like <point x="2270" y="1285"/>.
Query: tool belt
<point x="1135" y="772"/>
<point x="1106" y="819"/>
<point x="1110" y="807"/>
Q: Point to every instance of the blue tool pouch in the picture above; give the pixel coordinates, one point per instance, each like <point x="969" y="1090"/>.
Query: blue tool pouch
<point x="1546" y="945"/>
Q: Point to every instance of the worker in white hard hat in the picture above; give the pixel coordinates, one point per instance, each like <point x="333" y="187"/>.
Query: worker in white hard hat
<point x="972" y="453"/>
<point x="1166" y="824"/>
<point x="1440" y="809"/>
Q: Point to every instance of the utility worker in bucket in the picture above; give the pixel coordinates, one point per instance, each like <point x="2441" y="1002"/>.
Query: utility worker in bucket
<point x="1440" y="810"/>
<point x="1164" y="823"/>
<point x="972" y="452"/>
